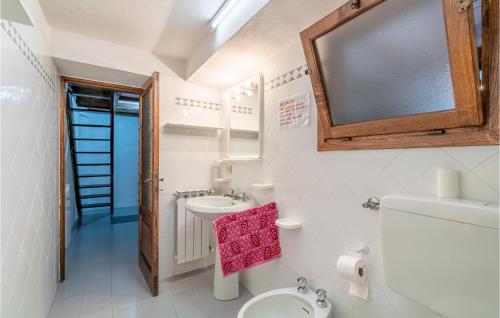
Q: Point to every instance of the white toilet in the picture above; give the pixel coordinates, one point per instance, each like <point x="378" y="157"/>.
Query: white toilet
<point x="443" y="253"/>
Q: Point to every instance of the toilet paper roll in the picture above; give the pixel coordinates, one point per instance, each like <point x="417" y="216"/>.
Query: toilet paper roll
<point x="354" y="269"/>
<point x="359" y="290"/>
<point x="447" y="184"/>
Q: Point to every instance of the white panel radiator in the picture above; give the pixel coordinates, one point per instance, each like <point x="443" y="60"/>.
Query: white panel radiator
<point x="193" y="233"/>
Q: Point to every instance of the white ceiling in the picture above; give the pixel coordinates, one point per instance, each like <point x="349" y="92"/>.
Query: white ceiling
<point x="168" y="28"/>
<point x="272" y="30"/>
<point x="99" y="73"/>
<point x="176" y="30"/>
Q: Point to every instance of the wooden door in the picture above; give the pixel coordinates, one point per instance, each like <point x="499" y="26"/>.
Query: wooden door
<point x="148" y="182"/>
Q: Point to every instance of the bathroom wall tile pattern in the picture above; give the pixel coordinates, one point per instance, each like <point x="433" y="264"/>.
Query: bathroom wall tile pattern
<point x="287" y="77"/>
<point x="14" y="35"/>
<point x="324" y="191"/>
<point x="181" y="101"/>
<point x="241" y="109"/>
<point x="29" y="183"/>
<point x="186" y="159"/>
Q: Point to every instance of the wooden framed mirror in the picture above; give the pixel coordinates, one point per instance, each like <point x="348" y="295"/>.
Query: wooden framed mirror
<point x="403" y="73"/>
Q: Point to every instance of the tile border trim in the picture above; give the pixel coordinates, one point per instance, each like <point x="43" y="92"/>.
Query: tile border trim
<point x="287" y="77"/>
<point x="14" y="35"/>
<point x="241" y="109"/>
<point x="182" y="101"/>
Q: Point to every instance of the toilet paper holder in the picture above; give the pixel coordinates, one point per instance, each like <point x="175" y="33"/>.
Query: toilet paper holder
<point x="373" y="203"/>
<point x="363" y="249"/>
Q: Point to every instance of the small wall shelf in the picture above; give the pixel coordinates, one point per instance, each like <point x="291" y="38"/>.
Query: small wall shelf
<point x="241" y="160"/>
<point x="245" y="131"/>
<point x="188" y="126"/>
<point x="220" y="180"/>
<point x="263" y="186"/>
<point x="288" y="224"/>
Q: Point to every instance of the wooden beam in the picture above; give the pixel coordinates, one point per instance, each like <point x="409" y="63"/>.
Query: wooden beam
<point x="102" y="85"/>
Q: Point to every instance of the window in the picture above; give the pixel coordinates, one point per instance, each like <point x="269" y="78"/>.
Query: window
<point x="399" y="73"/>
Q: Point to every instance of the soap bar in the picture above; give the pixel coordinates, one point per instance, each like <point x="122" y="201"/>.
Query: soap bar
<point x="288" y="224"/>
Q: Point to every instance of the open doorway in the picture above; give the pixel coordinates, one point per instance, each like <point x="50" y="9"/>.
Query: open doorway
<point x="102" y="163"/>
<point x="125" y="158"/>
<point x="109" y="180"/>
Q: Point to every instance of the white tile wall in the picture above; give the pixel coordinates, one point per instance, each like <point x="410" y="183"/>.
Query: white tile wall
<point x="324" y="190"/>
<point x="188" y="103"/>
<point x="186" y="157"/>
<point x="29" y="168"/>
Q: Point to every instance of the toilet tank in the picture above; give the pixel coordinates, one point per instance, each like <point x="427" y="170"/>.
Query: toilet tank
<point x="443" y="253"/>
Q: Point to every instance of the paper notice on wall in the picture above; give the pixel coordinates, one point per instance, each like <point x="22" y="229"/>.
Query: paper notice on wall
<point x="295" y="111"/>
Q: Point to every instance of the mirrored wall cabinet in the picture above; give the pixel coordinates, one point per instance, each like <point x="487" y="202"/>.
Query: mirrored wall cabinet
<point x="243" y="112"/>
<point x="405" y="73"/>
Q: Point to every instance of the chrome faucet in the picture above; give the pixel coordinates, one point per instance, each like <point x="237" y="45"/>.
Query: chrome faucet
<point x="241" y="196"/>
<point x="229" y="193"/>
<point x="321" y="301"/>
<point x="302" y="285"/>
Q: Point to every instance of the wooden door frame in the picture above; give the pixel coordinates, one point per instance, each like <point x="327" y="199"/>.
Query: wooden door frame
<point x="62" y="154"/>
<point x="153" y="85"/>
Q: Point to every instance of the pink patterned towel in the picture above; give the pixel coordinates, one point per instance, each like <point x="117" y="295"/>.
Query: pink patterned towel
<point x="247" y="238"/>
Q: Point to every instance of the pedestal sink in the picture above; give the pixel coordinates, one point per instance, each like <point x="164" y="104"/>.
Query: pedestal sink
<point x="209" y="208"/>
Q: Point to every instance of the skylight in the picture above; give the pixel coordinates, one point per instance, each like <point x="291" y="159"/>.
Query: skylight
<point x="221" y="13"/>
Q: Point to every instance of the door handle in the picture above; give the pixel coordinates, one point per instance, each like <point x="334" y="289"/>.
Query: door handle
<point x="149" y="180"/>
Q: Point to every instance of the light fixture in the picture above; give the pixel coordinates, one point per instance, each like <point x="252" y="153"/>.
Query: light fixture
<point x="241" y="91"/>
<point x="222" y="12"/>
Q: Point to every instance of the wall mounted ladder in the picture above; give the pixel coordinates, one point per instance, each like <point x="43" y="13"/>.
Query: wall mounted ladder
<point x="90" y="133"/>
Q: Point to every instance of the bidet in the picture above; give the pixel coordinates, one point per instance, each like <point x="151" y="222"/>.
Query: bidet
<point x="287" y="303"/>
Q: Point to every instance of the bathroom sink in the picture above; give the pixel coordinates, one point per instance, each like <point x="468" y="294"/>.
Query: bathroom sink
<point x="211" y="207"/>
<point x="284" y="303"/>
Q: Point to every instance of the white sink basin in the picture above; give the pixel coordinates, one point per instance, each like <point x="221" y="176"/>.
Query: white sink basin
<point x="211" y="207"/>
<point x="284" y="303"/>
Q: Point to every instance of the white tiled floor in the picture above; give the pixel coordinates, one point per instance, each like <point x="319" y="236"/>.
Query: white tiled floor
<point x="103" y="281"/>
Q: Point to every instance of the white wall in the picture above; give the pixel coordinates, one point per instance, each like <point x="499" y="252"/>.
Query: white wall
<point x="126" y="161"/>
<point x="75" y="47"/>
<point x="324" y="191"/>
<point x="186" y="156"/>
<point x="29" y="168"/>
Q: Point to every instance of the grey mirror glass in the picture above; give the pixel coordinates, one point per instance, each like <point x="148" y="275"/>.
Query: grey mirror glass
<point x="244" y="109"/>
<point x="390" y="61"/>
